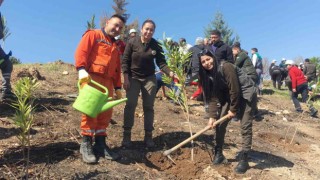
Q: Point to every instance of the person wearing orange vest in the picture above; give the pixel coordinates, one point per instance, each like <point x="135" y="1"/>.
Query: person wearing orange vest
<point x="98" y="58"/>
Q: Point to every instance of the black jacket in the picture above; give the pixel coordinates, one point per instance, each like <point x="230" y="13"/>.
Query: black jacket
<point x="223" y="52"/>
<point x="194" y="60"/>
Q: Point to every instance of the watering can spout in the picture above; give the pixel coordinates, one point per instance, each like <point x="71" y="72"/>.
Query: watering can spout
<point x="110" y="104"/>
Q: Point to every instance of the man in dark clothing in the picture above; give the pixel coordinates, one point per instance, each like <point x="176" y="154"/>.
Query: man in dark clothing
<point x="275" y="74"/>
<point x="194" y="61"/>
<point x="310" y="70"/>
<point x="221" y="50"/>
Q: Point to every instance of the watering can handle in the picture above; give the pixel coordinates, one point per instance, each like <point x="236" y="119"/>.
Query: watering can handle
<point x="99" y="85"/>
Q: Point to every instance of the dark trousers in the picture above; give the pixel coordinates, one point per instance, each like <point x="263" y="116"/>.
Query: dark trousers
<point x="276" y="79"/>
<point x="6" y="69"/>
<point x="246" y="125"/>
<point x="303" y="90"/>
<point x="147" y="87"/>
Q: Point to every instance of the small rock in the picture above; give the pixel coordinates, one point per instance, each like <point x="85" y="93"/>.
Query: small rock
<point x="65" y="72"/>
<point x="278" y="113"/>
<point x="285" y="119"/>
<point x="285" y="112"/>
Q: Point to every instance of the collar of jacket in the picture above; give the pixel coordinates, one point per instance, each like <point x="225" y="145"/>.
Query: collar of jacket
<point x="105" y="34"/>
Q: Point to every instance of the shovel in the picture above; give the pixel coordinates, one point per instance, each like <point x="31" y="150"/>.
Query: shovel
<point x="169" y="151"/>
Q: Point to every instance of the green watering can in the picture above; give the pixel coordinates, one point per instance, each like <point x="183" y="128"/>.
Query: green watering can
<point x="92" y="102"/>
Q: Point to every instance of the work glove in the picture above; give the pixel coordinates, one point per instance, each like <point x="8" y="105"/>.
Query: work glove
<point x="83" y="76"/>
<point x="118" y="94"/>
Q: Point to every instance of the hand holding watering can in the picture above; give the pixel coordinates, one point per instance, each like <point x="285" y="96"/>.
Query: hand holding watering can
<point x="90" y="100"/>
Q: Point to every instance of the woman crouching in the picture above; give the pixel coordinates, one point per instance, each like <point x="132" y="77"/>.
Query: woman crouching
<point x="223" y="94"/>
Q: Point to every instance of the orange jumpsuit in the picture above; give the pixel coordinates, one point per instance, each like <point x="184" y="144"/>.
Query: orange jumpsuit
<point x="99" y="55"/>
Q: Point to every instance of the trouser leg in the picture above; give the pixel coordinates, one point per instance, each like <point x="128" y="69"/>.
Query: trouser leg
<point x="131" y="104"/>
<point x="148" y="96"/>
<point x="246" y="124"/>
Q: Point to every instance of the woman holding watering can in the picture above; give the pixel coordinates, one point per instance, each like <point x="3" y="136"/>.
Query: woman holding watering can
<point x="224" y="94"/>
<point x="97" y="57"/>
<point x="138" y="69"/>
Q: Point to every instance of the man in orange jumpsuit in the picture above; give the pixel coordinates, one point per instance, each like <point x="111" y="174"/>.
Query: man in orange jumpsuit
<point x="97" y="57"/>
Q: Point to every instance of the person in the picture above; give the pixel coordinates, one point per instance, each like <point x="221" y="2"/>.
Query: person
<point x="243" y="61"/>
<point x="299" y="85"/>
<point x="220" y="84"/>
<point x="284" y="71"/>
<point x="206" y="41"/>
<point x="221" y="50"/>
<point x="6" y="68"/>
<point x="257" y="63"/>
<point x="193" y="72"/>
<point x="138" y="69"/>
<point x="132" y="33"/>
<point x="98" y="58"/>
<point x="275" y="74"/>
<point x="184" y="46"/>
<point x="301" y="66"/>
<point x="310" y="70"/>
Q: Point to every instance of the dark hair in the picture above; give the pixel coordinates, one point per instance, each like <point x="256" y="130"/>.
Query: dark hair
<point x="254" y="49"/>
<point x="120" y="17"/>
<point x="149" y="21"/>
<point x="183" y="40"/>
<point x="209" y="79"/>
<point x="216" y="32"/>
<point x="236" y="45"/>
<point x="307" y="60"/>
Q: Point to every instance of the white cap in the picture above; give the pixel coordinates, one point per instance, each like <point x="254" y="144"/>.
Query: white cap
<point x="274" y="61"/>
<point x="283" y="59"/>
<point x="289" y="62"/>
<point x="301" y="63"/>
<point x="132" y="31"/>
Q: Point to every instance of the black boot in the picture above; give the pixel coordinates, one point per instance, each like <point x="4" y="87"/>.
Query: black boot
<point x="126" y="142"/>
<point x="87" y="151"/>
<point x="313" y="111"/>
<point x="102" y="149"/>
<point x="148" y="139"/>
<point x="243" y="164"/>
<point x="219" y="157"/>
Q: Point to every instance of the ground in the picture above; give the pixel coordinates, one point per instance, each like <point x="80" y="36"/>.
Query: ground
<point x="285" y="144"/>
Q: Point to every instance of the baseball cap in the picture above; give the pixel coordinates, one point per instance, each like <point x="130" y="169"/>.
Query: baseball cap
<point x="289" y="62"/>
<point x="132" y="31"/>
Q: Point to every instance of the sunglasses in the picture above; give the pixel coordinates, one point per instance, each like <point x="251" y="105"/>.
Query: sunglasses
<point x="205" y="52"/>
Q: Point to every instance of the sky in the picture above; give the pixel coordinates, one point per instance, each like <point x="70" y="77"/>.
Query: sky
<point x="48" y="30"/>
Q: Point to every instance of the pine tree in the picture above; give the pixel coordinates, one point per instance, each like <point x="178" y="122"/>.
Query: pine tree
<point x="91" y="24"/>
<point x="220" y="24"/>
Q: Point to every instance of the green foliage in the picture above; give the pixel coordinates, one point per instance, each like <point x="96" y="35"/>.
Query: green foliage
<point x="316" y="61"/>
<point x="178" y="63"/>
<point x="23" y="118"/>
<point x="15" y="60"/>
<point x="6" y="32"/>
<point x="91" y="24"/>
<point x="226" y="33"/>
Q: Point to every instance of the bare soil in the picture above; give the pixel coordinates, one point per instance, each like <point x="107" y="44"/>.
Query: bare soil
<point x="285" y="144"/>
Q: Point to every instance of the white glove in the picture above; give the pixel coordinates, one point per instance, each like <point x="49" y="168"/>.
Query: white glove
<point x="83" y="76"/>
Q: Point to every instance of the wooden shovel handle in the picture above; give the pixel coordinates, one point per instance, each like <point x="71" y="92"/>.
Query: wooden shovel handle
<point x="169" y="151"/>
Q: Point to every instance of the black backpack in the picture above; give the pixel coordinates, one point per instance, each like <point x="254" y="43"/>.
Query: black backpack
<point x="247" y="85"/>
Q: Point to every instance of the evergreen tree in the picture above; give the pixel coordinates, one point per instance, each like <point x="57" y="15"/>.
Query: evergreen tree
<point x="220" y="24"/>
<point x="91" y="24"/>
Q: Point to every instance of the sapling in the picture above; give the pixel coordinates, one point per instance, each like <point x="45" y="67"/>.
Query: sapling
<point x="178" y="62"/>
<point x="23" y="118"/>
